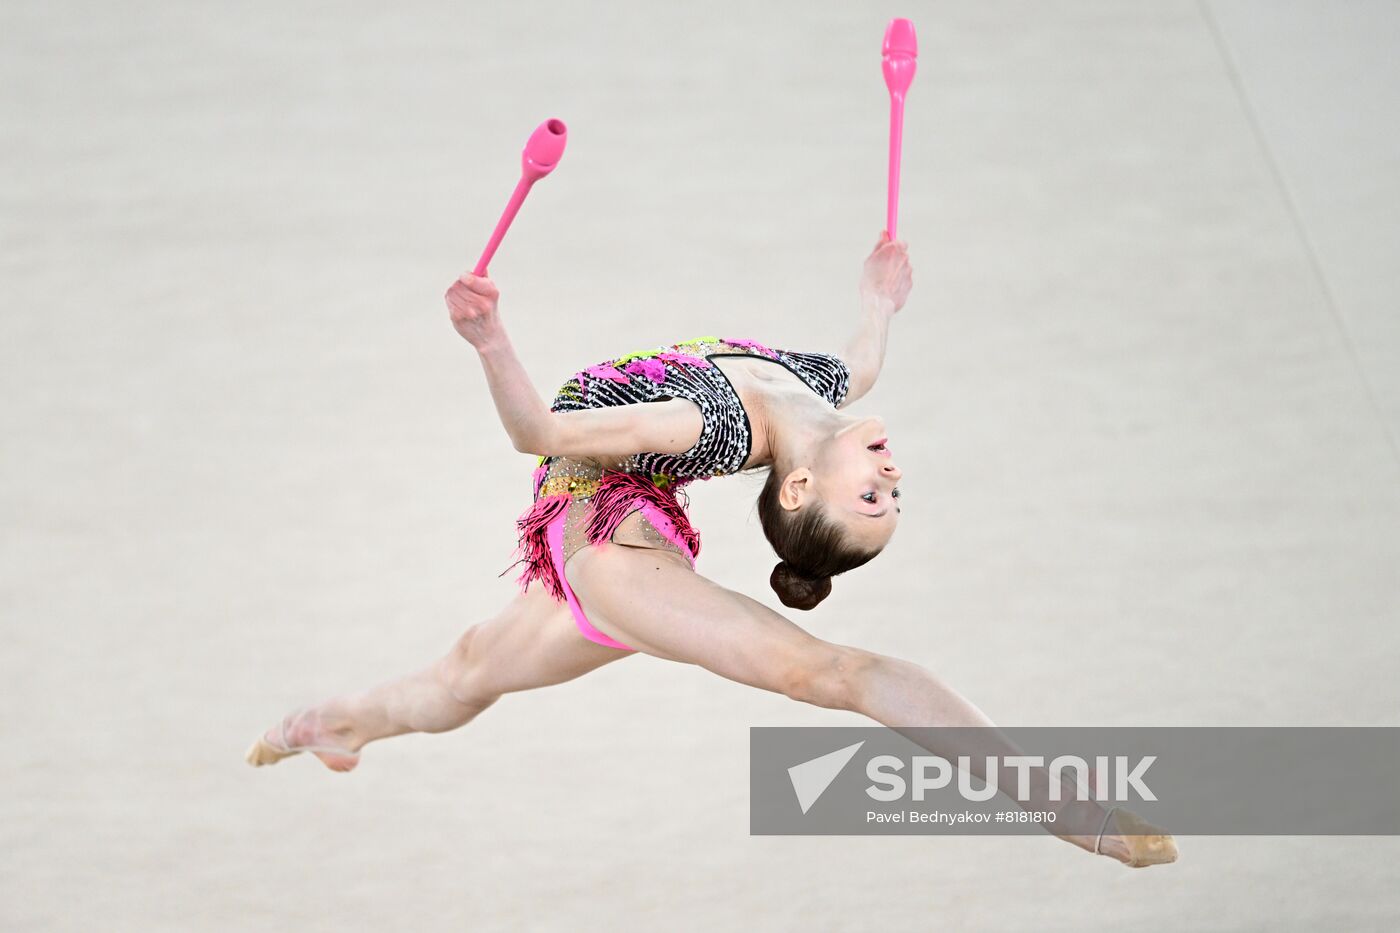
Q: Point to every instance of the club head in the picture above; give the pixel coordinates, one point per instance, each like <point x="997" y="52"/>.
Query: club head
<point x="901" y="55"/>
<point x="544" y="149"/>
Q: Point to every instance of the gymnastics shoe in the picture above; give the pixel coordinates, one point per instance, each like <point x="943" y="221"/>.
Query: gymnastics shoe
<point x="269" y="749"/>
<point x="1146" y="844"/>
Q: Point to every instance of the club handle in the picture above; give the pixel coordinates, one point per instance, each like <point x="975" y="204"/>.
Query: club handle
<point x="896" y="146"/>
<point x="517" y="198"/>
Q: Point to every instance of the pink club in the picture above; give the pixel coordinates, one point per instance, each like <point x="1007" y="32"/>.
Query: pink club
<point x="901" y="56"/>
<point x="543" y="150"/>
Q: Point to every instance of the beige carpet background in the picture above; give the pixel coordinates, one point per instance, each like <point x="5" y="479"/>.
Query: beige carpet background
<point x="1145" y="394"/>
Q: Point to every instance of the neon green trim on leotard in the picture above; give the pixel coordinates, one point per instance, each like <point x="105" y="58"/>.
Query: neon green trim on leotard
<point x="651" y="354"/>
<point x="698" y="341"/>
<point x="639" y="355"/>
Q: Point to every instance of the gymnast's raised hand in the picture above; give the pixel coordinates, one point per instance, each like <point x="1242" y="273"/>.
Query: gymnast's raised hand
<point x="472" y="301"/>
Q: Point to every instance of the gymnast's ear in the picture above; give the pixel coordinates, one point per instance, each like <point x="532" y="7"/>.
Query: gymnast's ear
<point x="795" y="488"/>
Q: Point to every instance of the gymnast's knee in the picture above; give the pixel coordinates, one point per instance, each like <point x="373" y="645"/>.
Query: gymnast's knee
<point x="460" y="668"/>
<point x="831" y="676"/>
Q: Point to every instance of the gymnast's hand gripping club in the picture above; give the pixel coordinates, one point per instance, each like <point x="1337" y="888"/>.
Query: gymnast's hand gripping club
<point x="543" y="150"/>
<point x="901" y="54"/>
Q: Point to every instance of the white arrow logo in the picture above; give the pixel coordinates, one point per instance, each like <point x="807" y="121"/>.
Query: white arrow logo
<point x="811" y="778"/>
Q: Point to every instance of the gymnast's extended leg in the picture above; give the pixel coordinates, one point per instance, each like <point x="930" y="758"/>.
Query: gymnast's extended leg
<point x="653" y="601"/>
<point x="532" y="642"/>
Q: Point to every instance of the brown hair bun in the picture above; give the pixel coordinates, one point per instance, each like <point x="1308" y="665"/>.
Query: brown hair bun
<point x="797" y="591"/>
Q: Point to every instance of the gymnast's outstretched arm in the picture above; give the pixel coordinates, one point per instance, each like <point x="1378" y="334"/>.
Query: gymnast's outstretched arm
<point x="884" y="287"/>
<point x="665" y="427"/>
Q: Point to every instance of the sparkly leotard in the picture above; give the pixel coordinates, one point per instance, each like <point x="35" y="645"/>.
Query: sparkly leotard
<point x="579" y="502"/>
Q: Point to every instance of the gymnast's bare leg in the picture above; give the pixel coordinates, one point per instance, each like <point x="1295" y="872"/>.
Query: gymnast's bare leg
<point x="653" y="601"/>
<point x="533" y="642"/>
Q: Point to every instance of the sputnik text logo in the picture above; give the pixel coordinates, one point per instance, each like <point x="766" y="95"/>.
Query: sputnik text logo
<point x="1112" y="778"/>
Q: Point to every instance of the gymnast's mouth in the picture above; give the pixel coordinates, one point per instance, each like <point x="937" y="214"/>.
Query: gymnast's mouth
<point x="879" y="447"/>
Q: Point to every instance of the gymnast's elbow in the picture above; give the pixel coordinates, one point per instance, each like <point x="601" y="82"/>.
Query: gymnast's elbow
<point x="525" y="446"/>
<point x="540" y="441"/>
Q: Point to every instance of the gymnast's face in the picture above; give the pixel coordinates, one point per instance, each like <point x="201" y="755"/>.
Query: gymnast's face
<point x="855" y="477"/>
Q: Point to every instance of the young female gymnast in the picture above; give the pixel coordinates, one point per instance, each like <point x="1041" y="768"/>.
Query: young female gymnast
<point x="617" y="444"/>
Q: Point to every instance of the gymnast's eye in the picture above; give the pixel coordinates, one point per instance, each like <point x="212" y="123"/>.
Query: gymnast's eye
<point x="868" y="496"/>
<point x="895" y="492"/>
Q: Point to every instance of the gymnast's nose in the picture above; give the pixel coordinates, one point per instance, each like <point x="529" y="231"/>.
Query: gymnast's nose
<point x="891" y="472"/>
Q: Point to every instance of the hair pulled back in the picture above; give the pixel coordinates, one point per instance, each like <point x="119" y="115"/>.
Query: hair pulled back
<point x="813" y="548"/>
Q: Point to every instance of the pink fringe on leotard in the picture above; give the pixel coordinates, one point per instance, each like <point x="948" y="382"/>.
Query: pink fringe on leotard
<point x="534" y="543"/>
<point x="619" y="494"/>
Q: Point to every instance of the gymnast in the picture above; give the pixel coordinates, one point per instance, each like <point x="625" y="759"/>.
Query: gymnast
<point x="608" y="552"/>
